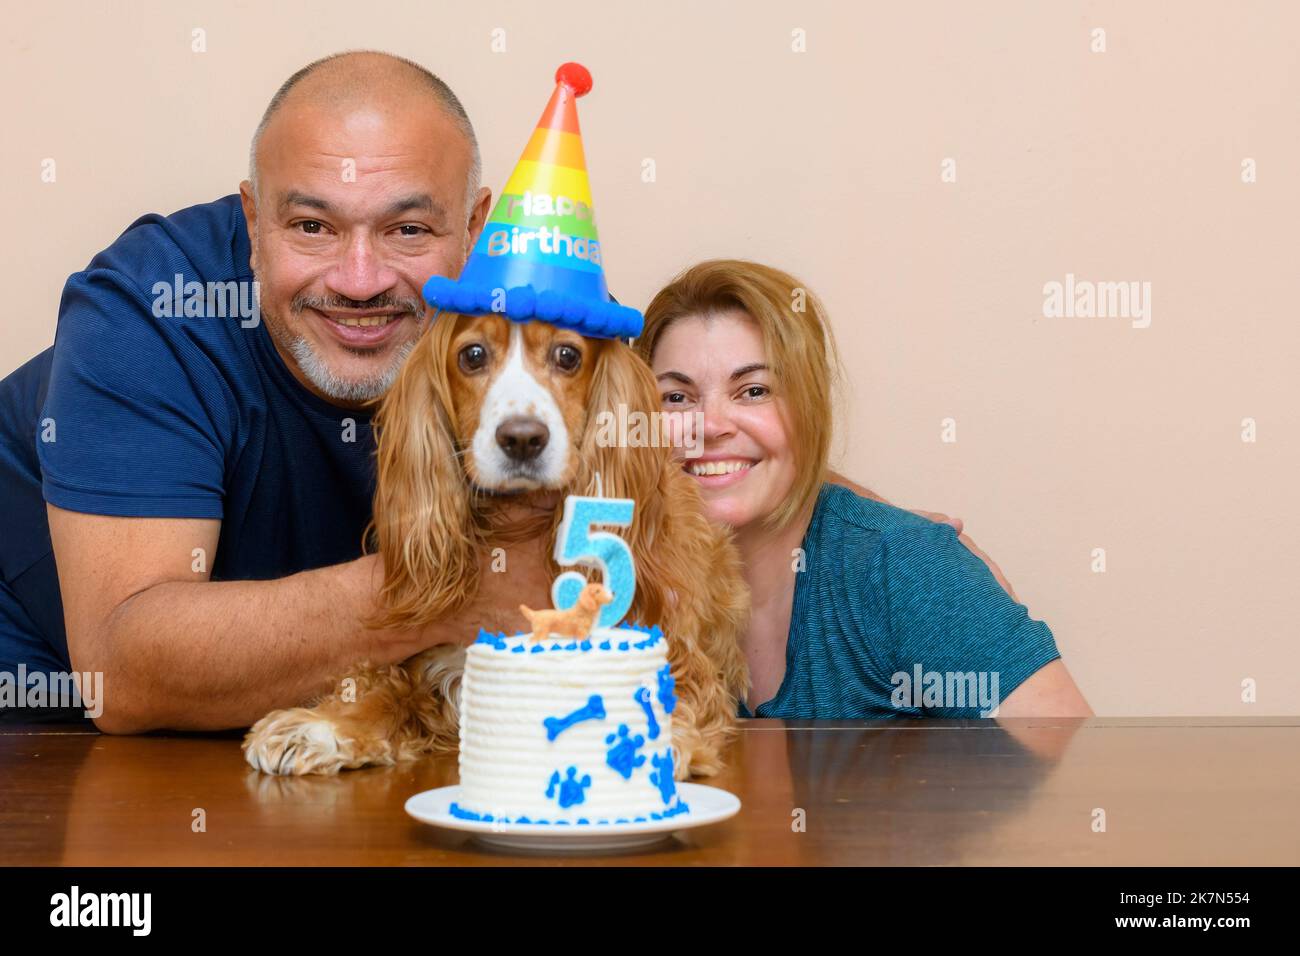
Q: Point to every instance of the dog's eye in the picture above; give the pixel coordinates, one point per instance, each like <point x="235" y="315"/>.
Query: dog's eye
<point x="472" y="358"/>
<point x="566" y="358"/>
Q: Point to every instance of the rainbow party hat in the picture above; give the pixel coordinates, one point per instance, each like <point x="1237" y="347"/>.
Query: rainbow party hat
<point x="538" y="256"/>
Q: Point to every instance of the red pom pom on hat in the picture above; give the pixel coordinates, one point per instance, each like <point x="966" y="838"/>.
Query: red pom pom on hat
<point x="576" y="77"/>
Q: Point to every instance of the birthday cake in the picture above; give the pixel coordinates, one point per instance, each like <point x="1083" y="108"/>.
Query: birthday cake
<point x="568" y="731"/>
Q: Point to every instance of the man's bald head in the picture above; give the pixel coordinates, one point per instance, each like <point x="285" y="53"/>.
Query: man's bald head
<point x="345" y="79"/>
<point x="364" y="181"/>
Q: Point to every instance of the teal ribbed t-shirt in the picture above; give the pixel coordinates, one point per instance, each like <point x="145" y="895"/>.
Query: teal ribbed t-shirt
<point x="895" y="617"/>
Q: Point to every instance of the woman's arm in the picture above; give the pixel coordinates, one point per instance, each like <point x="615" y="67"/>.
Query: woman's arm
<point x="1049" y="692"/>
<point x="947" y="616"/>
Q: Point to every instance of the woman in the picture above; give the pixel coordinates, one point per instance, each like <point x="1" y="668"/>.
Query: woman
<point x="860" y="609"/>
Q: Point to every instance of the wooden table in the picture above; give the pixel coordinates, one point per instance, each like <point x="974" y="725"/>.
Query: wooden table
<point x="1174" y="791"/>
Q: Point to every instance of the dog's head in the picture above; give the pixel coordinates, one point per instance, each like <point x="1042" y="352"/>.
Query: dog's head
<point x="519" y="395"/>
<point x="594" y="596"/>
<point x="487" y="405"/>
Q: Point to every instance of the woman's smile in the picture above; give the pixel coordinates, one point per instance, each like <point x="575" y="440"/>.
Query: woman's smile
<point x="719" y="472"/>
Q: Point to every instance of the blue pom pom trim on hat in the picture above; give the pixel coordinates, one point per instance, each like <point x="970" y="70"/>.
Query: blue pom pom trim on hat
<point x="605" y="320"/>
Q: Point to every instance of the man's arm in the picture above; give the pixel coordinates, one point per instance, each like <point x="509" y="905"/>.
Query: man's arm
<point x="835" y="478"/>
<point x="180" y="651"/>
<point x="838" y="479"/>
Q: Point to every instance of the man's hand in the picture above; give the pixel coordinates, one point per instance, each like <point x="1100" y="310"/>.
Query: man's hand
<point x="522" y="575"/>
<point x="938" y="518"/>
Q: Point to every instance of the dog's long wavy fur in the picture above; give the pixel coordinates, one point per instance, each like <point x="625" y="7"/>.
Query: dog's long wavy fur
<point x="433" y="533"/>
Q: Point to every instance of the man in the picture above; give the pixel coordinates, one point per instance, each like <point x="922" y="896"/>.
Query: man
<point x="209" y="477"/>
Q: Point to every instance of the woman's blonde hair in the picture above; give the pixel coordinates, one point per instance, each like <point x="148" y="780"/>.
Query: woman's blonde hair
<point x="797" y="341"/>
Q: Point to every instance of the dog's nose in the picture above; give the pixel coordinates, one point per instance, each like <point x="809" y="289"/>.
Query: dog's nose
<point x="522" y="439"/>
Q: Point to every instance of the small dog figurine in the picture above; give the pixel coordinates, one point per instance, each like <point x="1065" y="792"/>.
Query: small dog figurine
<point x="576" y="622"/>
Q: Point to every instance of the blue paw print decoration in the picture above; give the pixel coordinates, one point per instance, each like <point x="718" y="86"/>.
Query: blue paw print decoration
<point x="623" y="756"/>
<point x="572" y="790"/>
<point x="667" y="697"/>
<point x="662" y="775"/>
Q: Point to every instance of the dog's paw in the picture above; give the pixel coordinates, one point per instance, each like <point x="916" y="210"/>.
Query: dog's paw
<point x="694" y="755"/>
<point x="295" y="742"/>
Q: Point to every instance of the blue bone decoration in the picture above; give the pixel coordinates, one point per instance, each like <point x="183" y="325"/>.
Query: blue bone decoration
<point x="594" y="710"/>
<point x="652" y="726"/>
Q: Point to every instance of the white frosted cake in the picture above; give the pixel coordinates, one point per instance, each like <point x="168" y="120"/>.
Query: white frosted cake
<point x="568" y="731"/>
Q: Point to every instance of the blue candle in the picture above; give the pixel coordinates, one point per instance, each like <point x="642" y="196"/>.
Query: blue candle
<point x="577" y="543"/>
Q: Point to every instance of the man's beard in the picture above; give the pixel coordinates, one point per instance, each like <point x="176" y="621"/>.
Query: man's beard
<point x="318" y="372"/>
<point x="346" y="389"/>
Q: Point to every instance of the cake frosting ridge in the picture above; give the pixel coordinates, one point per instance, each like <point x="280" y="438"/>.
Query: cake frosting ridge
<point x="568" y="731"/>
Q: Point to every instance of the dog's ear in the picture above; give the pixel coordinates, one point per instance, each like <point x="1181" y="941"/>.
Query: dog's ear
<point x="423" y="525"/>
<point x="689" y="577"/>
<point x="622" y="380"/>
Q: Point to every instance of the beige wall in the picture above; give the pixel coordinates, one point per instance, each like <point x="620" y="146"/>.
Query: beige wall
<point x="1072" y="433"/>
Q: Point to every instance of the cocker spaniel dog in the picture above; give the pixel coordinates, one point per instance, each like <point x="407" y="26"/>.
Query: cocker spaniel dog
<point x="488" y="425"/>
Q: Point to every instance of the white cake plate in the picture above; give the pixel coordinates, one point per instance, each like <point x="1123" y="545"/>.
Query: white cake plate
<point x="708" y="805"/>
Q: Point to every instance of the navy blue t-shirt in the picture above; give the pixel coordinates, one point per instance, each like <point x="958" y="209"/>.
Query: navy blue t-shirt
<point x="139" y="415"/>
